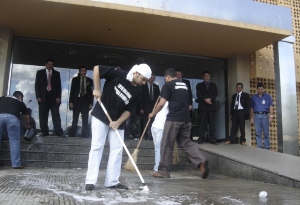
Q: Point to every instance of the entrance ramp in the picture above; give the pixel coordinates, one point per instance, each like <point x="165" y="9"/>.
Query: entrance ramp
<point x="253" y="163"/>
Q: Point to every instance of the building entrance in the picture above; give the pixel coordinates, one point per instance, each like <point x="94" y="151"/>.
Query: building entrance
<point x="29" y="56"/>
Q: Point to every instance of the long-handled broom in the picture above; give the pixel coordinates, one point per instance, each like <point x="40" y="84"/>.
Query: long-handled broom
<point x="176" y="158"/>
<point x="144" y="187"/>
<point x="128" y="164"/>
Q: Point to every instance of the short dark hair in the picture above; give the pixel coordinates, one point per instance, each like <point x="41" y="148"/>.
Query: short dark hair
<point x="259" y="85"/>
<point x="178" y="70"/>
<point x="80" y="67"/>
<point x="241" y="84"/>
<point x="18" y="94"/>
<point x="49" y="60"/>
<point x="171" y="72"/>
<point x="205" y="72"/>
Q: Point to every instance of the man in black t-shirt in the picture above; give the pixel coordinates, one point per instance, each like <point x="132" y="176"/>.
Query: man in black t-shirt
<point x="120" y="96"/>
<point x="10" y="109"/>
<point x="177" y="126"/>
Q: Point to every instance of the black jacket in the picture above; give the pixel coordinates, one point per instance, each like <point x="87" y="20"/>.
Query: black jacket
<point x="75" y="90"/>
<point x="145" y="103"/>
<point x="188" y="85"/>
<point x="41" y="83"/>
<point x="203" y="93"/>
<point x="245" y="102"/>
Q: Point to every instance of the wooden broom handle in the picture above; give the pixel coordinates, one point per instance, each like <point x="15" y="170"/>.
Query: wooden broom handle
<point x="147" y="124"/>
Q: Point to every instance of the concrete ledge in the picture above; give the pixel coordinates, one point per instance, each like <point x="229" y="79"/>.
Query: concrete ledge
<point x="253" y="164"/>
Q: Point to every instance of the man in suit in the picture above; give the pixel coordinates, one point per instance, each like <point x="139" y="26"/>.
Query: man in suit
<point x="81" y="101"/>
<point x="179" y="75"/>
<point x="150" y="93"/>
<point x="239" y="112"/>
<point x="207" y="93"/>
<point x="48" y="95"/>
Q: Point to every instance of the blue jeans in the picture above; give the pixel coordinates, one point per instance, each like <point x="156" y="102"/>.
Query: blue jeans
<point x="11" y="124"/>
<point x="261" y="123"/>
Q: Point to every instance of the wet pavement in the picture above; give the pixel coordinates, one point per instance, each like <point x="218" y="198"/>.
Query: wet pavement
<point x="66" y="186"/>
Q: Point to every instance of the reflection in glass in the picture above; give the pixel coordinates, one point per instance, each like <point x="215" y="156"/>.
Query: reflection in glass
<point x="23" y="79"/>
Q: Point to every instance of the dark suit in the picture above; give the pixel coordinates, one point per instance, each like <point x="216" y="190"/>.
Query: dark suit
<point x="188" y="84"/>
<point x="147" y="106"/>
<point x="48" y="100"/>
<point x="81" y="104"/>
<point x="207" y="112"/>
<point x="238" y="117"/>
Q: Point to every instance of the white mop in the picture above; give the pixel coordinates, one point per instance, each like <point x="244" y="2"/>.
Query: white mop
<point x="144" y="187"/>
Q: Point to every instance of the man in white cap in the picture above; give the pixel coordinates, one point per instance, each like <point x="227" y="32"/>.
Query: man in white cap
<point x="120" y="96"/>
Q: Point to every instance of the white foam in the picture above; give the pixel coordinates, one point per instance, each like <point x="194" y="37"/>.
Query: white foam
<point x="75" y="196"/>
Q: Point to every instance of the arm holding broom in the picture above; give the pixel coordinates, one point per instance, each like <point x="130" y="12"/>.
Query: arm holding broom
<point x="97" y="94"/>
<point x="158" y="107"/>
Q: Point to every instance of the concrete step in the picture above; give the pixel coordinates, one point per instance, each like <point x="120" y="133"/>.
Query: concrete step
<point x="59" y="152"/>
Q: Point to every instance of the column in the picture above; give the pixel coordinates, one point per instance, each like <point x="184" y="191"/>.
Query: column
<point x="5" y="56"/>
<point x="286" y="96"/>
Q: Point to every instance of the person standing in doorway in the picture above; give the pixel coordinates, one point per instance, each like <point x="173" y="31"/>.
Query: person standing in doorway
<point x="150" y="93"/>
<point x="120" y="96"/>
<point x="177" y="126"/>
<point x="10" y="109"/>
<point x="262" y="115"/>
<point x="48" y="94"/>
<point x="81" y="101"/>
<point x="239" y="112"/>
<point x="179" y="75"/>
<point x="207" y="93"/>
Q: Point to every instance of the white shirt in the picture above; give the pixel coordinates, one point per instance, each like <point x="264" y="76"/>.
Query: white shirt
<point x="47" y="72"/>
<point x="160" y="119"/>
<point x="240" y="107"/>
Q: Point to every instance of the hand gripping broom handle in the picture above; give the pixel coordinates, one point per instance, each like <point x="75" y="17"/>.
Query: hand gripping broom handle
<point x="129" y="155"/>
<point x="146" y="125"/>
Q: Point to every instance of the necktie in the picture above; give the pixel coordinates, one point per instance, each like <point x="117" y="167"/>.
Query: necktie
<point x="82" y="90"/>
<point x="207" y="84"/>
<point x="151" y="92"/>
<point x="236" y="107"/>
<point x="49" y="81"/>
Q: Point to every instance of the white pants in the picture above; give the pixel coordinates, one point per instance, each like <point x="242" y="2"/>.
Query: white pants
<point x="157" y="135"/>
<point x="99" y="133"/>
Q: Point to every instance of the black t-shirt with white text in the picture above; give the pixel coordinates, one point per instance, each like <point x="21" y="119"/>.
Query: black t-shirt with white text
<point x="11" y="105"/>
<point x="176" y="93"/>
<point x="118" y="95"/>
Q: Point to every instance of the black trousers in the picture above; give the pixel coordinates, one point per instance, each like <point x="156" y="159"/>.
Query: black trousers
<point x="144" y="123"/>
<point x="82" y="106"/>
<point x="238" y="121"/>
<point x="207" y="117"/>
<point x="44" y="109"/>
<point x="130" y="127"/>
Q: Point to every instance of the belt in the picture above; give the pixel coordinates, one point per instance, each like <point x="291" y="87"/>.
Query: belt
<point x="261" y="112"/>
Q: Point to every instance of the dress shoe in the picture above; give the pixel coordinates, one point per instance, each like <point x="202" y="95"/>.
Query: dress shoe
<point x="44" y="134"/>
<point x="214" y="142"/>
<point x="200" y="141"/>
<point x="244" y="143"/>
<point x="228" y="142"/>
<point x="118" y="186"/>
<point x="204" y="169"/>
<point x="89" y="186"/>
<point x="61" y="135"/>
<point x="161" y="175"/>
<point x="20" y="167"/>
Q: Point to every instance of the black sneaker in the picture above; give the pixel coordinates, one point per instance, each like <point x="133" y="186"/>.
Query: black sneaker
<point x="89" y="186"/>
<point x="118" y="186"/>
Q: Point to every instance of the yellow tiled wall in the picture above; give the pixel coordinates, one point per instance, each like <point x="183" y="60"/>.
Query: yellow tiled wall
<point x="262" y="68"/>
